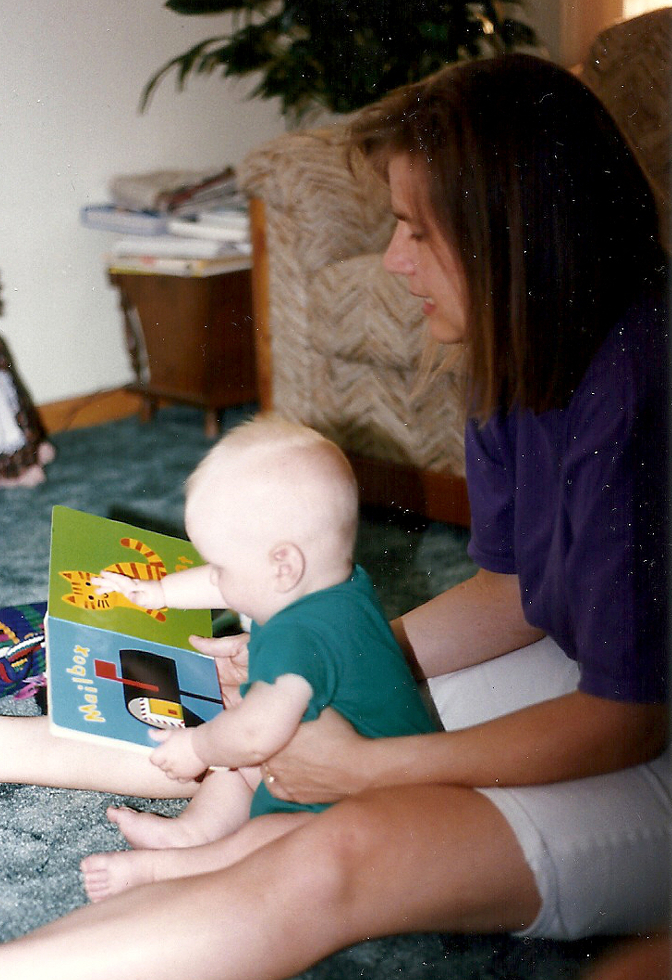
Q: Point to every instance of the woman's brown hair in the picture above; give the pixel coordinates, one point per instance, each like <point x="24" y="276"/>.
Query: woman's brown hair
<point x="555" y="225"/>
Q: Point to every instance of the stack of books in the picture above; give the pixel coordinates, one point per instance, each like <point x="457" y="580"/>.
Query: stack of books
<point x="180" y="223"/>
<point x="205" y="244"/>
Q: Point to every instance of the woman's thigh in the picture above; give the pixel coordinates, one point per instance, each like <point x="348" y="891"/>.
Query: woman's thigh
<point x="414" y="858"/>
<point x="476" y="694"/>
<point x="599" y="848"/>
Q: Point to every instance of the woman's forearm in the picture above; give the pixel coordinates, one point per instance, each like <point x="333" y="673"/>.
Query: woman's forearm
<point x="474" y="621"/>
<point x="570" y="737"/>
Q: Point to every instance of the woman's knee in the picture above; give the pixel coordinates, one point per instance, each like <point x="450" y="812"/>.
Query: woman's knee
<point x="336" y="848"/>
<point x="418" y="857"/>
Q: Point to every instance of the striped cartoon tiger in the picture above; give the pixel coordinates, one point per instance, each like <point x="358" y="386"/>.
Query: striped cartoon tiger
<point x="85" y="596"/>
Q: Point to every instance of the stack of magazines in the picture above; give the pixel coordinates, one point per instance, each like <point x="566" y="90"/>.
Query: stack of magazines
<point x="184" y="223"/>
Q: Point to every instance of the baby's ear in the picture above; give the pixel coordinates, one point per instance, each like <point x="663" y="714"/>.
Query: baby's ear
<point x="289" y="565"/>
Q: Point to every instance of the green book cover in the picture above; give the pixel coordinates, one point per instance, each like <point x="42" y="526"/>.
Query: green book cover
<point x="114" y="669"/>
<point x="84" y="544"/>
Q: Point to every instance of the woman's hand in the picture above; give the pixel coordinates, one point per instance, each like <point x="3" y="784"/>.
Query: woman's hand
<point x="230" y="653"/>
<point x="322" y="763"/>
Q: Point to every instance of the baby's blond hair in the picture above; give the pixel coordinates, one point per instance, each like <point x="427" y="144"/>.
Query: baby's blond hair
<point x="287" y="480"/>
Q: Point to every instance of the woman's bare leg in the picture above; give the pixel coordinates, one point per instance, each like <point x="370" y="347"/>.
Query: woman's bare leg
<point x="30" y="754"/>
<point x="113" y="872"/>
<point x="399" y="860"/>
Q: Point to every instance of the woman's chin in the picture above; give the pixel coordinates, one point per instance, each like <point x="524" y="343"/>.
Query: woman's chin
<point x="445" y="332"/>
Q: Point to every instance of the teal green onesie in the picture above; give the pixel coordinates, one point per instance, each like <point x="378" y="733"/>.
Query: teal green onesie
<point x="341" y="642"/>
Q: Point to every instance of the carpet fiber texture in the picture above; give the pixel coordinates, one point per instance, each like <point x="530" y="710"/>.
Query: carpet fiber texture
<point x="136" y="472"/>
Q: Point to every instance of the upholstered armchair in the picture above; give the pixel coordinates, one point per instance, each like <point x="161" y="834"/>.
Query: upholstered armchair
<point x="339" y="340"/>
<point x="629" y="67"/>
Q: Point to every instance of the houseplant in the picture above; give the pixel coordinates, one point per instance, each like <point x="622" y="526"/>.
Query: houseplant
<point x="340" y="55"/>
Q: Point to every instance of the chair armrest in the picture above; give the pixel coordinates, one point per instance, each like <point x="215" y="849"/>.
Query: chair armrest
<point x="628" y="67"/>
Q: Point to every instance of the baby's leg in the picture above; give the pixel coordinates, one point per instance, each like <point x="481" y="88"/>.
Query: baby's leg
<point x="219" y="807"/>
<point x="109" y="874"/>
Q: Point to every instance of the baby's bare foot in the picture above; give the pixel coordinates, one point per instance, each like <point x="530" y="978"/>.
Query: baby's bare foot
<point x="108" y="874"/>
<point x="150" y="830"/>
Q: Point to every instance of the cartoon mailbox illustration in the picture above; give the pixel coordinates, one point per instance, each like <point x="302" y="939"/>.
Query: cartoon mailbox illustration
<point x="151" y="689"/>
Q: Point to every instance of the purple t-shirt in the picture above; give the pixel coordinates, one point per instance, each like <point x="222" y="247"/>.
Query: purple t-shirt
<point x="574" y="502"/>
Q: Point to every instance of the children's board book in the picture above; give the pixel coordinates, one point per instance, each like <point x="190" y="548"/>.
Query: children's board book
<point x="116" y="670"/>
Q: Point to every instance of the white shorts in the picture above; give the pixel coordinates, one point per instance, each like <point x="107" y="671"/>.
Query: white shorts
<point x="599" y="848"/>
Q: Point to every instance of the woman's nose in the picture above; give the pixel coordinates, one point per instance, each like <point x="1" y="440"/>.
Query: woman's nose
<point x="397" y="258"/>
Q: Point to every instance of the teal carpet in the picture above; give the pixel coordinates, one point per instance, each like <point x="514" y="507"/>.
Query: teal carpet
<point x="136" y="472"/>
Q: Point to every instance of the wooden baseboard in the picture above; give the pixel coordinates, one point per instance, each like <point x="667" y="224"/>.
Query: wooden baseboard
<point x="85" y="410"/>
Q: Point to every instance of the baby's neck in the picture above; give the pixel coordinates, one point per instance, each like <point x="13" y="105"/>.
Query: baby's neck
<point x="326" y="578"/>
<point x="316" y="581"/>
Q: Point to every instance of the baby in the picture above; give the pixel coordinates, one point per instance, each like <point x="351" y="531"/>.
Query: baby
<point x="273" y="511"/>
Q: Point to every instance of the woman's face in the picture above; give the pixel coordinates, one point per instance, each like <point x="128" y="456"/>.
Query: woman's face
<point x="419" y="252"/>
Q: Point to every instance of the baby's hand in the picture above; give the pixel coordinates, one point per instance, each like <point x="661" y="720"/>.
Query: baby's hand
<point x="176" y="756"/>
<point x="149" y="595"/>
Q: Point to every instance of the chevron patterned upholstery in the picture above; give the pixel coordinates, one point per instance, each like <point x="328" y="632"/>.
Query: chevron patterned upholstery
<point x="345" y="337"/>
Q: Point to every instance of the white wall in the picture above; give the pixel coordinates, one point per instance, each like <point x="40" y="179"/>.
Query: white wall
<point x="72" y="76"/>
<point x="544" y="16"/>
<point x="569" y="27"/>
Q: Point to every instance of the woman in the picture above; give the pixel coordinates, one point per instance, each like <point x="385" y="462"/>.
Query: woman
<point x="528" y="230"/>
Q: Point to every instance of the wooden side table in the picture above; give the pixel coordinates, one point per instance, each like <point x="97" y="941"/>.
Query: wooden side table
<point x="190" y="339"/>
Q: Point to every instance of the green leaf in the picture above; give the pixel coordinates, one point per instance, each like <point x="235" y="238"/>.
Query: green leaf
<point x="342" y="53"/>
<point x="184" y="64"/>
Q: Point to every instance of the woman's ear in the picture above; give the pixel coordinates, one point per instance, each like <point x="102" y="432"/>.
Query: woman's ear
<point x="288" y="564"/>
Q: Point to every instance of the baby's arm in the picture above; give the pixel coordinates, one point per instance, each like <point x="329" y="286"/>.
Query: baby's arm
<point x="149" y="595"/>
<point x="191" y="588"/>
<point x="257" y="728"/>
